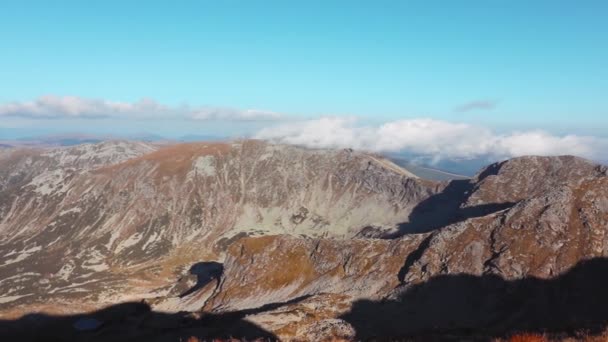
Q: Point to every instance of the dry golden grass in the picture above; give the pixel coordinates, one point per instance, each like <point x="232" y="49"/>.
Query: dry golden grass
<point x="594" y="338"/>
<point x="172" y="160"/>
<point x="528" y="337"/>
<point x="291" y="266"/>
<point x="196" y="339"/>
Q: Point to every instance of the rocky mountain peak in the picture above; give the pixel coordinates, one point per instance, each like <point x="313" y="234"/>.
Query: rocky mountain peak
<point x="520" y="178"/>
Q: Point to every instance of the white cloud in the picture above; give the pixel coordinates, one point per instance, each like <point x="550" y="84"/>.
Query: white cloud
<point x="440" y="139"/>
<point x="57" y="107"/>
<point x="437" y="138"/>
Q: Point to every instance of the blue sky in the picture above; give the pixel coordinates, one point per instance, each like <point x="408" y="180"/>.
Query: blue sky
<point x="506" y="65"/>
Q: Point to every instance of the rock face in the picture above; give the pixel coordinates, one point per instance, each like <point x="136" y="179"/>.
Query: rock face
<point x="562" y="222"/>
<point x="101" y="221"/>
<point x="302" y="243"/>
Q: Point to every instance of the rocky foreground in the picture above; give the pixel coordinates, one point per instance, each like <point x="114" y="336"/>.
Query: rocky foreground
<point x="253" y="240"/>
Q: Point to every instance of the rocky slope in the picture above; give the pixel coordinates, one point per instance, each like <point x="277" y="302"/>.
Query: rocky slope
<point x="304" y="244"/>
<point x="561" y="222"/>
<point x="96" y="222"/>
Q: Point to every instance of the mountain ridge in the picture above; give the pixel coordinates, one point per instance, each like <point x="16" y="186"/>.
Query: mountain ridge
<point x="227" y="227"/>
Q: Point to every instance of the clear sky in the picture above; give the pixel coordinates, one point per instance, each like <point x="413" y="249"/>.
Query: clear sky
<point x="507" y="65"/>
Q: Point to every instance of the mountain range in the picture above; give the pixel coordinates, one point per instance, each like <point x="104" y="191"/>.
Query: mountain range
<point x="248" y="239"/>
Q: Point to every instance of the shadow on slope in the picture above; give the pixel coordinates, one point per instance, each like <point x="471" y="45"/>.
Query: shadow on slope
<point x="205" y="272"/>
<point x="134" y="322"/>
<point x="444" y="209"/>
<point x="489" y="306"/>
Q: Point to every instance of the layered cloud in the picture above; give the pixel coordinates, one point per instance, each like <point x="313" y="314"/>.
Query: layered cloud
<point x="429" y="137"/>
<point x="477" y="105"/>
<point x="231" y="114"/>
<point x="437" y="138"/>
<point x="58" y="107"/>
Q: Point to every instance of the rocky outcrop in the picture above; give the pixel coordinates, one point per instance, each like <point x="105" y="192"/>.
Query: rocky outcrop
<point x="525" y="177"/>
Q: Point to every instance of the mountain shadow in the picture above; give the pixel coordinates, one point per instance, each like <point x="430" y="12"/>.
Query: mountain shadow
<point x="481" y="307"/>
<point x="134" y="322"/>
<point x="444" y="208"/>
<point x="205" y="272"/>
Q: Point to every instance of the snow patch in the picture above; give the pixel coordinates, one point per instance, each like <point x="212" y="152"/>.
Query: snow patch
<point x="20" y="277"/>
<point x="22" y="255"/>
<point x="152" y="240"/>
<point x="72" y="210"/>
<point x="9" y="299"/>
<point x="92" y="155"/>
<point x="131" y="241"/>
<point x="95" y="262"/>
<point x="49" y="182"/>
<point x="205" y="166"/>
<point x="66" y="270"/>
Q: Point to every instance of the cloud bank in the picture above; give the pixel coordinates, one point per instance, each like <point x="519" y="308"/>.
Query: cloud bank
<point x="231" y="114"/>
<point x="62" y="107"/>
<point x="428" y="137"/>
<point x="441" y="139"/>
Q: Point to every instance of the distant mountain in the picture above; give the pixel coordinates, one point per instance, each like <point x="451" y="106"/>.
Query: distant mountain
<point x="426" y="172"/>
<point x="201" y="137"/>
<point x="69" y="139"/>
<point x="458" y="166"/>
<point x="146" y="137"/>
<point x="62" y="140"/>
<point x="259" y="240"/>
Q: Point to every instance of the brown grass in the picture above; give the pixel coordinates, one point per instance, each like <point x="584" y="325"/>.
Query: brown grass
<point x="528" y="337"/>
<point x="587" y="337"/>
<point x="173" y="160"/>
<point x="196" y="339"/>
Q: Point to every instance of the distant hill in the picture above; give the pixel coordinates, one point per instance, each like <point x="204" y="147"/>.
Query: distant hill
<point x="458" y="166"/>
<point x="61" y="140"/>
<point x="427" y="172"/>
<point x="201" y="137"/>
